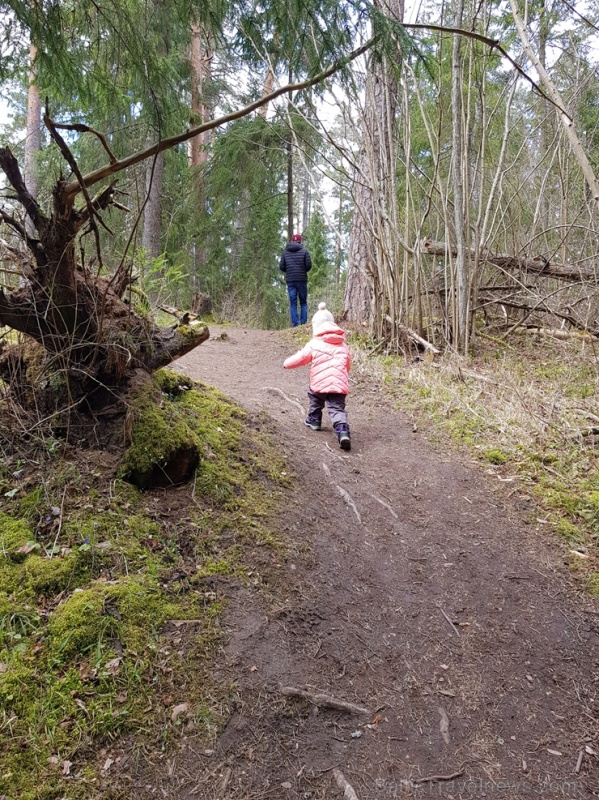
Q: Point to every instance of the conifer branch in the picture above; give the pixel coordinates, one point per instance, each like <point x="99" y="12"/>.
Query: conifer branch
<point x="74" y="187"/>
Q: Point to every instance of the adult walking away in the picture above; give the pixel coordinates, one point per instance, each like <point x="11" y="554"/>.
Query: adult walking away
<point x="296" y="264"/>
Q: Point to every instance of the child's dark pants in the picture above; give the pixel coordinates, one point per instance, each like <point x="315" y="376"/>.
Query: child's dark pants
<point x="335" y="404"/>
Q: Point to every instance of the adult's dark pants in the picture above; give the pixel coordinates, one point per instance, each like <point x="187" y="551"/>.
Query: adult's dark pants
<point x="298" y="290"/>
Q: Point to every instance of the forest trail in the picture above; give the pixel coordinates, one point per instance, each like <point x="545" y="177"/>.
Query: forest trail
<point x="414" y="589"/>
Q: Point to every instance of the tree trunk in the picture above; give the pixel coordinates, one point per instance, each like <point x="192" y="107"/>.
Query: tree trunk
<point x="372" y="254"/>
<point x="461" y="265"/>
<point x="150" y="239"/>
<point x="290" y="223"/>
<point x="200" y="61"/>
<point x="33" y="139"/>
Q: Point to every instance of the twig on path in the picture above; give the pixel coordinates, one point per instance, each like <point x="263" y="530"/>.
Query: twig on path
<point x="348" y="792"/>
<point x="433" y="778"/>
<point x="444" y="725"/>
<point x="579" y="762"/>
<point x="449" y="620"/>
<point x="385" y="505"/>
<point x="319" y="699"/>
<point x="348" y="499"/>
<point x="285" y="397"/>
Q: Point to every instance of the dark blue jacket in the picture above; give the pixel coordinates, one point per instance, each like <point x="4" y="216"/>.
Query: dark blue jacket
<point x="295" y="263"/>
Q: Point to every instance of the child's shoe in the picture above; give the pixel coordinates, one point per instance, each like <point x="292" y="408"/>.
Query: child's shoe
<point x="313" y="423"/>
<point x="342" y="431"/>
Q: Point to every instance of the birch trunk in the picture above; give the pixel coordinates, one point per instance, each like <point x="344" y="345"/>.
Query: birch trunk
<point x="555" y="96"/>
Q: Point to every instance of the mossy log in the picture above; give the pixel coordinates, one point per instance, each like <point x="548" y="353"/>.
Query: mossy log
<point x="164" y="450"/>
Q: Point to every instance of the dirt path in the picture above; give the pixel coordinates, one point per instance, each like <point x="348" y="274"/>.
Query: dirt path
<point x="415" y="591"/>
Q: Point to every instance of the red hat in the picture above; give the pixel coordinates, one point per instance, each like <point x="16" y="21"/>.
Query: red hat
<point x="297" y="237"/>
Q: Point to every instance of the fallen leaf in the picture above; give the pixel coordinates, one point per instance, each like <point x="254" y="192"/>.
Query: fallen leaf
<point x="377" y="719"/>
<point x="82" y="706"/>
<point x="286" y="785"/>
<point x="66" y="767"/>
<point x="554" y="752"/>
<point x="107" y="764"/>
<point x="182" y="708"/>
<point x="28" y="547"/>
<point x="113" y="667"/>
<point x="589" y="750"/>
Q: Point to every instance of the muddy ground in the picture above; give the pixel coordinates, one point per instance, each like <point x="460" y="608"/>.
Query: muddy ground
<point x="417" y="587"/>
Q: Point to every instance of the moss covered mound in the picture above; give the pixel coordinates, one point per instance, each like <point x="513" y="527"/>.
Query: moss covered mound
<point x="98" y="578"/>
<point x="165" y="450"/>
<point x="14" y="535"/>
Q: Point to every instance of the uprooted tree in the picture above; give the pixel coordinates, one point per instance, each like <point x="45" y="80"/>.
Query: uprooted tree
<point x="84" y="344"/>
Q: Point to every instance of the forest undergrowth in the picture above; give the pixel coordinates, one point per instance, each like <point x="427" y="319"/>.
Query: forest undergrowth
<point x="110" y="601"/>
<point x="93" y="571"/>
<point x="527" y="412"/>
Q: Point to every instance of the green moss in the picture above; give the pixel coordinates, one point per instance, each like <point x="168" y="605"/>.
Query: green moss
<point x="568" y="530"/>
<point x="164" y="448"/>
<point x="213" y="567"/>
<point x="129" y="611"/>
<point x="18" y="621"/>
<point x="172" y="383"/>
<point x="79" y="623"/>
<point x="49" y="576"/>
<point x="13" y="534"/>
<point x="496" y="456"/>
<point x="17" y="687"/>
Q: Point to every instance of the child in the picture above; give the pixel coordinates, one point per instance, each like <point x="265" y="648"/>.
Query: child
<point x="329" y="374"/>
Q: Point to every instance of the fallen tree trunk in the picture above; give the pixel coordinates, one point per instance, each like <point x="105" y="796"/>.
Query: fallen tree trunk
<point x="557" y="333"/>
<point x="539" y="264"/>
<point x="580" y="326"/>
<point x="84" y="340"/>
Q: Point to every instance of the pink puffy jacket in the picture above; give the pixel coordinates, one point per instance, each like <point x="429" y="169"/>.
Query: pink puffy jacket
<point x="331" y="360"/>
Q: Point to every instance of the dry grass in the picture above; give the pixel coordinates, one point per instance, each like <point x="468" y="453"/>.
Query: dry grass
<point x="527" y="411"/>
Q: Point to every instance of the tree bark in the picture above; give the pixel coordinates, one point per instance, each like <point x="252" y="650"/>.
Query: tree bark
<point x="33" y="140"/>
<point x="150" y="238"/>
<point x="460" y="316"/>
<point x="371" y="258"/>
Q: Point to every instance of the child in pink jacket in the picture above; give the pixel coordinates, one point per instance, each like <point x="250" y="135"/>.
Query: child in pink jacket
<point x="329" y="374"/>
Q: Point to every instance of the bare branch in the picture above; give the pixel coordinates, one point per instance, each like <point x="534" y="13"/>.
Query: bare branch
<point x="494" y="45"/>
<point x="81" y="128"/>
<point x="4" y="217"/>
<point x="10" y="167"/>
<point x="74" y="187"/>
